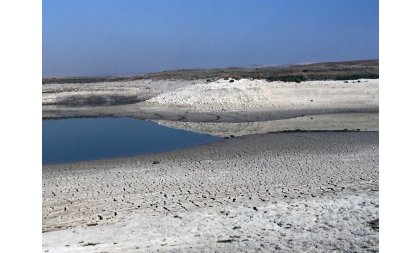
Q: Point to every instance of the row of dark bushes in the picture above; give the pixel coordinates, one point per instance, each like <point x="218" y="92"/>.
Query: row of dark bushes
<point x="301" y="78"/>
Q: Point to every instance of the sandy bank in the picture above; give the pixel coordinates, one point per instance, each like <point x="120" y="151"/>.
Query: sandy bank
<point x="218" y="101"/>
<point x="282" y="191"/>
<point x="107" y="93"/>
<point x="225" y="95"/>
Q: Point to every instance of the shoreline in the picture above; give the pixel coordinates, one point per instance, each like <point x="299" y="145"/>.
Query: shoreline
<point x="222" y="182"/>
<point x="224" y="137"/>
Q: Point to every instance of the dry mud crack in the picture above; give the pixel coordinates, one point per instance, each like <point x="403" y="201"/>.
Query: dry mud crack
<point x="272" y="192"/>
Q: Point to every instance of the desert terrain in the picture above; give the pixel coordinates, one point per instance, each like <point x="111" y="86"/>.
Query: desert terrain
<point x="297" y="170"/>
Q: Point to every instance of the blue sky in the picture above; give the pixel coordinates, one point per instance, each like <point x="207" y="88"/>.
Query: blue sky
<point x="125" y="37"/>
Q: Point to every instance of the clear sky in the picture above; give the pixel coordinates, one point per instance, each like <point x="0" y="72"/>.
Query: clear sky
<point x="125" y="37"/>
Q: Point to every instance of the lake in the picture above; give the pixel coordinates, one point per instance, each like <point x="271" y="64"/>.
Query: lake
<point x="82" y="139"/>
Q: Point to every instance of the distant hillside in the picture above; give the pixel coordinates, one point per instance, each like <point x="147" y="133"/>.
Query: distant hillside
<point x="347" y="70"/>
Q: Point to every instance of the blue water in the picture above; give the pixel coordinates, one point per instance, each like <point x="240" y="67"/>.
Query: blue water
<point x="81" y="139"/>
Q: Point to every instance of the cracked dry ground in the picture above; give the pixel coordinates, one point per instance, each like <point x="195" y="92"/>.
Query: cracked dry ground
<point x="332" y="176"/>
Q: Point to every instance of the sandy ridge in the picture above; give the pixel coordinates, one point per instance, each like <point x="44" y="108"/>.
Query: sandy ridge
<point x="221" y="100"/>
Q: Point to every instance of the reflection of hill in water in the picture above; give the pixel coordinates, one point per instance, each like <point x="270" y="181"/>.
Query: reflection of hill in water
<point x="325" y="122"/>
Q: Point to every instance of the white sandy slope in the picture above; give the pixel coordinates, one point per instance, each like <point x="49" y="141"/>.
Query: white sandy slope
<point x="260" y="95"/>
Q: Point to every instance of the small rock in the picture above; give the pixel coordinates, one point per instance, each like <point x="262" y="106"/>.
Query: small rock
<point x="90" y="244"/>
<point x="225" y="241"/>
<point x="374" y="224"/>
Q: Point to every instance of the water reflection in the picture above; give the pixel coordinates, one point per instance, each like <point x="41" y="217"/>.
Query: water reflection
<point x="325" y="122"/>
<point x="72" y="140"/>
